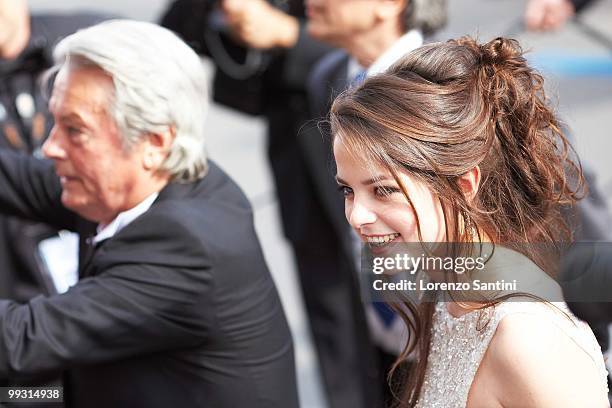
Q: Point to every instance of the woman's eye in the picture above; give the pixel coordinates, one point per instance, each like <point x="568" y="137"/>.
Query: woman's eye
<point x="385" y="191"/>
<point x="346" y="191"/>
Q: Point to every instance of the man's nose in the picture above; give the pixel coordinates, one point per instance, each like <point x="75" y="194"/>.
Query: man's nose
<point x="361" y="214"/>
<point x="52" y="148"/>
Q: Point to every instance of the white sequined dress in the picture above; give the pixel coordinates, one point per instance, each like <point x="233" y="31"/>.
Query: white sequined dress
<point x="458" y="345"/>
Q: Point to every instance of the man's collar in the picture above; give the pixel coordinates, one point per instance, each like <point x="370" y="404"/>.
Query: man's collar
<point x="123" y="219"/>
<point x="410" y="41"/>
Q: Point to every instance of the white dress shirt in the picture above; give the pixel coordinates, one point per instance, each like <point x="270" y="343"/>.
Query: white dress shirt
<point x="123" y="219"/>
<point x="59" y="253"/>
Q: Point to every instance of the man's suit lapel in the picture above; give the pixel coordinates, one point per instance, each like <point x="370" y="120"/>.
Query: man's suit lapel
<point x="86" y="230"/>
<point x="86" y="265"/>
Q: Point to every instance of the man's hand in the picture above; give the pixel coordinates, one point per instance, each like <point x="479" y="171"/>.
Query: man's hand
<point x="547" y="15"/>
<point x="259" y="25"/>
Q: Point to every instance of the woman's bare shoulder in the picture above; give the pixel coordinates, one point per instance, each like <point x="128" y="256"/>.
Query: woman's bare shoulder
<point x="533" y="362"/>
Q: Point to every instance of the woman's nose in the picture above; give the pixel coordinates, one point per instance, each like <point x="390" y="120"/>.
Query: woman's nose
<point x="360" y="214"/>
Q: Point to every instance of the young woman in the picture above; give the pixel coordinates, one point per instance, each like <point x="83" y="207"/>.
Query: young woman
<point x="455" y="143"/>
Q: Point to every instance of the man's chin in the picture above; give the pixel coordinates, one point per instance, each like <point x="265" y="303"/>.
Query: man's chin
<point x="73" y="203"/>
<point x="85" y="209"/>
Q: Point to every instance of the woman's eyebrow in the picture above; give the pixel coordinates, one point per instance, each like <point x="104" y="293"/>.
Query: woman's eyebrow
<point x="376" y="179"/>
<point x="373" y="180"/>
<point x="340" y="181"/>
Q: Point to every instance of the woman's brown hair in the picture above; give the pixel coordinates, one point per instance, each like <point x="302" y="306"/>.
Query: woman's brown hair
<point x="439" y="112"/>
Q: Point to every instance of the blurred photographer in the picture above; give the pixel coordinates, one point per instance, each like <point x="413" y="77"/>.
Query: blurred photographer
<point x="26" y="43"/>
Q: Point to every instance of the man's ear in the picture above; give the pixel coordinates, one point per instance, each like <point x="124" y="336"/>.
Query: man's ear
<point x="469" y="182"/>
<point x="391" y="9"/>
<point x="156" y="148"/>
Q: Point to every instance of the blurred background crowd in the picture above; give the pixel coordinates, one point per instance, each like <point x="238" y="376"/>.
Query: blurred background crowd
<point x="571" y="44"/>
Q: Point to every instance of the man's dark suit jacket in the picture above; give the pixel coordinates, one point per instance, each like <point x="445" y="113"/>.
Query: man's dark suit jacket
<point x="177" y="309"/>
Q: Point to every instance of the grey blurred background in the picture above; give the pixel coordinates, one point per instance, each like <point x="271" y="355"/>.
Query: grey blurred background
<point x="577" y="64"/>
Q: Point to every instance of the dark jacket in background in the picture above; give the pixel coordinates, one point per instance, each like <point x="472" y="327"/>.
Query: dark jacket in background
<point x="586" y="279"/>
<point x="346" y="356"/>
<point x="581" y="4"/>
<point x="348" y="361"/>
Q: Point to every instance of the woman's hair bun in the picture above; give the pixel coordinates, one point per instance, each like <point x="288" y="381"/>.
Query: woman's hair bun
<point x="499" y="51"/>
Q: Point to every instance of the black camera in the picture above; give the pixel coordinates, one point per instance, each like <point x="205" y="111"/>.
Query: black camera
<point x="189" y="19"/>
<point x="238" y="81"/>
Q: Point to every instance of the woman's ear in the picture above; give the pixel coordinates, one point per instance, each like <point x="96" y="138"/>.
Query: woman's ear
<point x="469" y="182"/>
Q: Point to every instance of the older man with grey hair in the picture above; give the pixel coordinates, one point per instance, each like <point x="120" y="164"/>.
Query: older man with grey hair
<point x="175" y="305"/>
<point x="356" y="344"/>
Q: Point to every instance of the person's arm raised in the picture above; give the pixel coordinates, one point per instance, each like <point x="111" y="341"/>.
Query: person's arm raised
<point x="30" y="189"/>
<point x="147" y="298"/>
<point x="259" y="25"/>
<point x="548" y="15"/>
